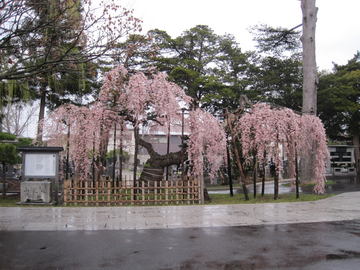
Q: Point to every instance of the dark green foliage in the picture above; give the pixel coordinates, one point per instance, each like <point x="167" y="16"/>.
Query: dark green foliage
<point x="110" y="155"/>
<point x="234" y="69"/>
<point x="276" y="40"/>
<point x="279" y="81"/>
<point x="71" y="84"/>
<point x="24" y="142"/>
<point x="7" y="136"/>
<point x="8" y="154"/>
<point x="211" y="68"/>
<point x="278" y="74"/>
<point x="64" y="82"/>
<point x="339" y="100"/>
<point x="187" y="59"/>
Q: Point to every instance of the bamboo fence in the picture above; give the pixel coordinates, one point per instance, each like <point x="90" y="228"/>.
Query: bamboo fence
<point x="128" y="192"/>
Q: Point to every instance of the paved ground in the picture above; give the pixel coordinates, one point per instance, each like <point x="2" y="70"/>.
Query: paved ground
<point x="311" y="246"/>
<point x="345" y="206"/>
<point x="306" y="235"/>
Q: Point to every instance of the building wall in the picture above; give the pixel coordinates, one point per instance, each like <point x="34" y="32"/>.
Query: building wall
<point x="342" y="160"/>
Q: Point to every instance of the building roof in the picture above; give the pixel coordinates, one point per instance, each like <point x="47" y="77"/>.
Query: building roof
<point x="40" y="149"/>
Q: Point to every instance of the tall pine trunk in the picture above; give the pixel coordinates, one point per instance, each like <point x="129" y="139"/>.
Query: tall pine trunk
<point x="310" y="78"/>
<point x="40" y="125"/>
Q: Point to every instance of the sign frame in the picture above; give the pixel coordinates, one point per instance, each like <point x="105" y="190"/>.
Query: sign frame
<point x="41" y="175"/>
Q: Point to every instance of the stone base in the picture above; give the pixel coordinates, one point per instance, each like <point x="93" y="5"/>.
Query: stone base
<point x="37" y="192"/>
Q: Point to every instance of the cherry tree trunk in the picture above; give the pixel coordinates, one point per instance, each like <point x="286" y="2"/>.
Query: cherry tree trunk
<point x="229" y="169"/>
<point x="263" y="175"/>
<point x="136" y="137"/>
<point x="254" y="174"/>
<point x="310" y="79"/>
<point x="276" y="185"/>
<point x="156" y="163"/>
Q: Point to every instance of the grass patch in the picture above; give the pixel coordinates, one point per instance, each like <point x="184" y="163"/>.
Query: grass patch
<point x="286" y="185"/>
<point x="269" y="198"/>
<point x="9" y="201"/>
<point x="222" y="187"/>
<point x="327" y="183"/>
<point x="330" y="182"/>
<point x="311" y="185"/>
<point x="216" y="199"/>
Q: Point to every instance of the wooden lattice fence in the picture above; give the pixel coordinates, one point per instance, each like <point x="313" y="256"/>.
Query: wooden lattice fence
<point x="107" y="192"/>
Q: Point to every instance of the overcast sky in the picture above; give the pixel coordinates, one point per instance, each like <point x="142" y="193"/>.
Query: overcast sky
<point x="337" y="33"/>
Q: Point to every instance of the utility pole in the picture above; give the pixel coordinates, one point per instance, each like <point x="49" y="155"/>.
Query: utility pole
<point x="310" y="80"/>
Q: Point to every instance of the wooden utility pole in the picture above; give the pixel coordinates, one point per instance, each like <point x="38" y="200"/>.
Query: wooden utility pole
<point x="310" y="80"/>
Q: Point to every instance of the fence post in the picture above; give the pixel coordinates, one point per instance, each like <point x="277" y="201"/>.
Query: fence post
<point x="142" y="183"/>
<point x="65" y="187"/>
<point x="155" y="192"/>
<point x="176" y="192"/>
<point x="75" y="187"/>
<point x="188" y="183"/>
<point x="166" y="192"/>
<point x="86" y="190"/>
<point x="132" y="193"/>
<point x="97" y="192"/>
<point x="109" y="192"/>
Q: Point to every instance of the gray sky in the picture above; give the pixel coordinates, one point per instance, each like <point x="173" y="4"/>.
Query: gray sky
<point x="337" y="33"/>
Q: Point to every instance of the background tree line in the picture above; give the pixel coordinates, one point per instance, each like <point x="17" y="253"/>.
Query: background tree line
<point x="55" y="52"/>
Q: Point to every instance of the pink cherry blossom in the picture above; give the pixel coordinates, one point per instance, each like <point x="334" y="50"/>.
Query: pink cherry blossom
<point x="265" y="129"/>
<point x="135" y="100"/>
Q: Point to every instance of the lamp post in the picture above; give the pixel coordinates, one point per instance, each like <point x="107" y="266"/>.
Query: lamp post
<point x="67" y="153"/>
<point x="121" y="149"/>
<point x="182" y="141"/>
<point x="168" y="149"/>
<point x="114" y="156"/>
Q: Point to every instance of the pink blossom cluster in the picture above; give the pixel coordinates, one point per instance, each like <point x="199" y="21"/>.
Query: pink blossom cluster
<point x="140" y="95"/>
<point x="264" y="130"/>
<point x="89" y="129"/>
<point x="207" y="144"/>
<point x="142" y="100"/>
<point x="314" y="140"/>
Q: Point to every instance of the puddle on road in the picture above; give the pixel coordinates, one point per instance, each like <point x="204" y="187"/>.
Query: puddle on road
<point x="344" y="254"/>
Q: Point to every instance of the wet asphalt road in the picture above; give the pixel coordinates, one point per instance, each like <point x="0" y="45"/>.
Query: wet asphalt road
<point x="330" y="245"/>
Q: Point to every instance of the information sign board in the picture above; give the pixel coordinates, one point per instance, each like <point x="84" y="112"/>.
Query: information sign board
<point x="40" y="164"/>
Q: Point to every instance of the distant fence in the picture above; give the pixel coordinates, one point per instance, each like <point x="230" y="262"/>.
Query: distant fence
<point x="109" y="193"/>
